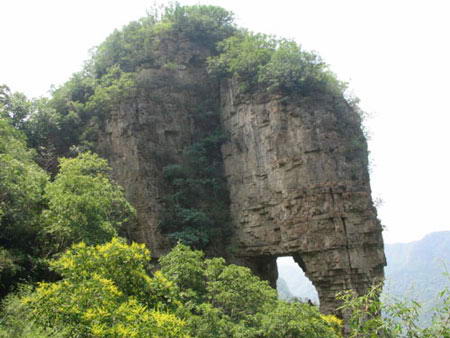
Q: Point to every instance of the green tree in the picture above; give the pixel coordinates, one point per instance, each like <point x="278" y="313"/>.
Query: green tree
<point x="242" y="55"/>
<point x="84" y="204"/>
<point x="104" y="292"/>
<point x="14" y="106"/>
<point x="232" y="302"/>
<point x="22" y="185"/>
<point x="263" y="63"/>
<point x="5" y="92"/>
<point x="197" y="210"/>
<point x="236" y="291"/>
<point x="186" y="268"/>
<point x="293" y="70"/>
<point x="297" y="320"/>
<point x="205" y="25"/>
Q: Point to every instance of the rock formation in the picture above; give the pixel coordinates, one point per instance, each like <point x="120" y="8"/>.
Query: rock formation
<point x="299" y="186"/>
<point x="296" y="170"/>
<point x="152" y="128"/>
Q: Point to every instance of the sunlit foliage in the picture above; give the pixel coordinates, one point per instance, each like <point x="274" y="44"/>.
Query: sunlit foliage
<point x="262" y="63"/>
<point x="83" y="203"/>
<point x="105" y="291"/>
<point x="231" y="301"/>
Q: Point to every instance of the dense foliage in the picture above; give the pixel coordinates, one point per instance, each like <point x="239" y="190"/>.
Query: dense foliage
<point x="197" y="210"/>
<point x="39" y="217"/>
<point x="83" y="204"/>
<point x="22" y="184"/>
<point x="135" y="46"/>
<point x="106" y="291"/>
<point x="266" y="64"/>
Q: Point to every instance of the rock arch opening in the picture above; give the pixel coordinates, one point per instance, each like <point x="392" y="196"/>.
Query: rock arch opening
<point x="292" y="283"/>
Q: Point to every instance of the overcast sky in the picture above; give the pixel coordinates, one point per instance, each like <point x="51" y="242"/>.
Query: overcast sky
<point x="395" y="54"/>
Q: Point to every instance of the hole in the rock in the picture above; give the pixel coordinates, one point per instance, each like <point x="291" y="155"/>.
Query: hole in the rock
<point x="293" y="284"/>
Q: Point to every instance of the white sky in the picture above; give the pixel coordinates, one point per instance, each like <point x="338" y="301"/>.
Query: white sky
<point x="396" y="55"/>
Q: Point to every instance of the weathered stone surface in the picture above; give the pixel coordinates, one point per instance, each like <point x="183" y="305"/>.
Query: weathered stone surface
<point x="296" y="170"/>
<point x="299" y="185"/>
<point x="152" y="129"/>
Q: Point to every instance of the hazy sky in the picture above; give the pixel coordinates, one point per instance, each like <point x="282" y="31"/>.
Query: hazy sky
<point x="395" y="54"/>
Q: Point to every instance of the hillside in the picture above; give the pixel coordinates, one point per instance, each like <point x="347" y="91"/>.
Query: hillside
<point x="416" y="270"/>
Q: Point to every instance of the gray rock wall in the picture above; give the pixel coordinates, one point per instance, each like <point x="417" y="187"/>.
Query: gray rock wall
<point x="296" y="171"/>
<point x="299" y="185"/>
<point x="152" y="128"/>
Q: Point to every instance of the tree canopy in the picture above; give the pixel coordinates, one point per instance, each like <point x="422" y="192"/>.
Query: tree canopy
<point x="83" y="203"/>
<point x="106" y="291"/>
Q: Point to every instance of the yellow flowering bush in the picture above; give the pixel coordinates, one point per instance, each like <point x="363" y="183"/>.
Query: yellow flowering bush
<point x="106" y="292"/>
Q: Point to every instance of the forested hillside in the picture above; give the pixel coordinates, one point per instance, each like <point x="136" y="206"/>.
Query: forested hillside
<point x="68" y="264"/>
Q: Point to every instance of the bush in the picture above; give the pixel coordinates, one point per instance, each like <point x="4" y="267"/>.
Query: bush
<point x="84" y="204"/>
<point x="264" y="63"/>
<point x="232" y="302"/>
<point x="197" y="209"/>
<point x="297" y="320"/>
<point x="369" y="317"/>
<point x="105" y="291"/>
<point x="202" y="24"/>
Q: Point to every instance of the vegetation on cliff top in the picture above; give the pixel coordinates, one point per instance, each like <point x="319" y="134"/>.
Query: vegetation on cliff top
<point x="67" y="122"/>
<point x="59" y="220"/>
<point x="262" y="63"/>
<point x="70" y="121"/>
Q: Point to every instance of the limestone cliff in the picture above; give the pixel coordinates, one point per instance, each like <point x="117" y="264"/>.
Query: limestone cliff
<point x="296" y="169"/>
<point x="299" y="186"/>
<point x="152" y="128"/>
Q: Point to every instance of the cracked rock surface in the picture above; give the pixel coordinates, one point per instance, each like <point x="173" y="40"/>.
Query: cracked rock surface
<point x="296" y="169"/>
<point x="299" y="186"/>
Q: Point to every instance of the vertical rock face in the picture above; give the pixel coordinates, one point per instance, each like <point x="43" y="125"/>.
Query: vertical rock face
<point x="299" y="186"/>
<point x="152" y="128"/>
<point x="296" y="171"/>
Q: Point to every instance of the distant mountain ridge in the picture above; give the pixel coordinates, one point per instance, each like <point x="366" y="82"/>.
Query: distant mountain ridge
<point x="415" y="270"/>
